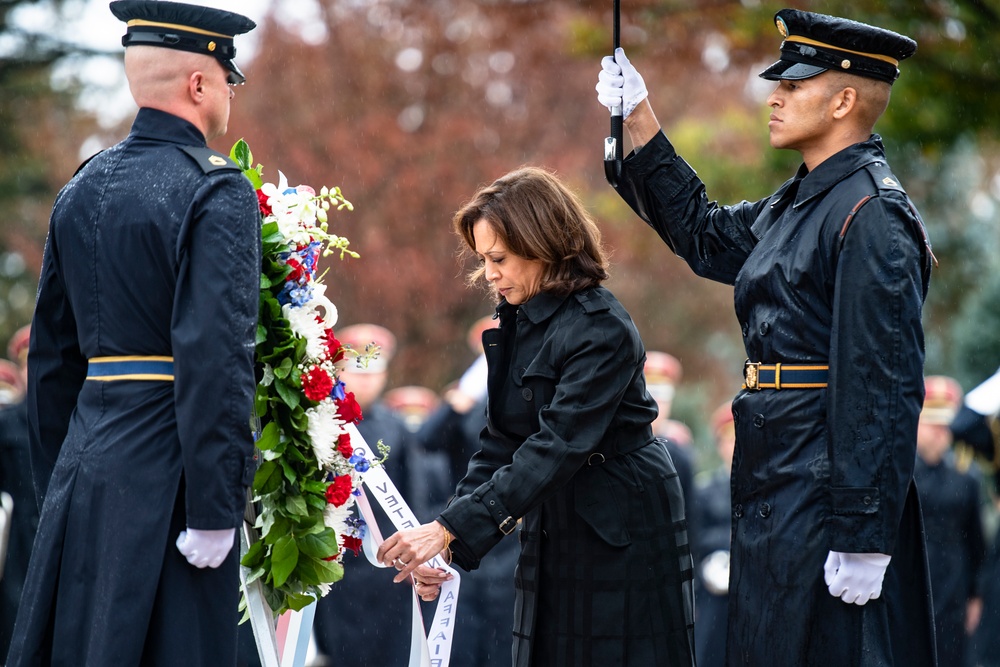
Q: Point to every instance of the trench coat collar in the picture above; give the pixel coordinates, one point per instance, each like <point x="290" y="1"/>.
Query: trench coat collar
<point x="156" y="124"/>
<point x="537" y="309"/>
<point x="836" y="168"/>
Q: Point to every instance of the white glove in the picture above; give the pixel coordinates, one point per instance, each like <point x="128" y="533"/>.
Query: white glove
<point x="206" y="548"/>
<point x="619" y="84"/>
<point x="855" y="578"/>
<point x="985" y="399"/>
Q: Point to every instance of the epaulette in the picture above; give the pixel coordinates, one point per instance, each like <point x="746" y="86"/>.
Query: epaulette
<point x="210" y="160"/>
<point x="883" y="177"/>
<point x="592" y="302"/>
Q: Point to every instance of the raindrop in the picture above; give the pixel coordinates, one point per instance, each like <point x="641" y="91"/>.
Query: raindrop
<point x="411" y="118"/>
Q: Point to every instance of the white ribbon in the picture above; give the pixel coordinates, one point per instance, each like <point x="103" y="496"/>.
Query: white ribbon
<point x="434" y="649"/>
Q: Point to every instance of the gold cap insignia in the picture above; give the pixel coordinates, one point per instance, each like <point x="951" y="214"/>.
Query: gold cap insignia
<point x="889" y="181"/>
<point x="217" y="161"/>
<point x="211" y="47"/>
<point x="846" y="64"/>
<point x="782" y="28"/>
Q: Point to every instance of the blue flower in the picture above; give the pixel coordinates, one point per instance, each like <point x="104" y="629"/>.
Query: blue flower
<point x="338" y="391"/>
<point x="360" y="463"/>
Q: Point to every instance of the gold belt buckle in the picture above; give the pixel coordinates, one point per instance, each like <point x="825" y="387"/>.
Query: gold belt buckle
<point x="751" y="375"/>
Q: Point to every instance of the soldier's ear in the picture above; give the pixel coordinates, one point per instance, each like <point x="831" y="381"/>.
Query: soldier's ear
<point x="196" y="86"/>
<point x="844" y="102"/>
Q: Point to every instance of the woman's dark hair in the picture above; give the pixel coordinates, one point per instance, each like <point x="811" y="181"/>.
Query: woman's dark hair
<point x="537" y="217"/>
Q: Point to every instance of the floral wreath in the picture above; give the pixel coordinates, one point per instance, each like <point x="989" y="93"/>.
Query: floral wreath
<point x="308" y="476"/>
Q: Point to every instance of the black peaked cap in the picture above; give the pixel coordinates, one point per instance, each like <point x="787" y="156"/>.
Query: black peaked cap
<point x="815" y="43"/>
<point x="177" y="25"/>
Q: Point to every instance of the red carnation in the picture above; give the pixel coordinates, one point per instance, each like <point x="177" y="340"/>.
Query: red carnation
<point x="344" y="445"/>
<point x="316" y="384"/>
<point x="333" y="347"/>
<point x="262" y="202"/>
<point x="297" y="270"/>
<point x="352" y="543"/>
<point x="348" y="408"/>
<point x="338" y="492"/>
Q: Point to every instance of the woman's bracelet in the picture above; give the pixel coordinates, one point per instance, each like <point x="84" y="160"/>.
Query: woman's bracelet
<point x="448" y="537"/>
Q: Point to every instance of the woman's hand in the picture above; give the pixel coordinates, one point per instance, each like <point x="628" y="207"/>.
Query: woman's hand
<point x="408" y="549"/>
<point x="427" y="581"/>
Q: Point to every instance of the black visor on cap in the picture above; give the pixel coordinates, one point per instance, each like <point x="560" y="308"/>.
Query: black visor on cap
<point x="784" y="69"/>
<point x="234" y="76"/>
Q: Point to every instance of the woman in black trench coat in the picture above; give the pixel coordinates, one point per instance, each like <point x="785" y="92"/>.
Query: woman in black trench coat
<point x="604" y="575"/>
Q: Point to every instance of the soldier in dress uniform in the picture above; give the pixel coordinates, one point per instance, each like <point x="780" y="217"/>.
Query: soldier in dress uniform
<point x="976" y="427"/>
<point x="140" y="391"/>
<point x="15" y="481"/>
<point x="949" y="499"/>
<point x="829" y="274"/>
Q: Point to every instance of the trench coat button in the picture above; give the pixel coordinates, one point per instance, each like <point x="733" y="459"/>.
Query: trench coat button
<point x="764" y="510"/>
<point x="526" y="394"/>
<point x="738" y="511"/>
<point x="758" y="421"/>
<point x="867" y="500"/>
<point x="746" y="329"/>
<point x="764" y="328"/>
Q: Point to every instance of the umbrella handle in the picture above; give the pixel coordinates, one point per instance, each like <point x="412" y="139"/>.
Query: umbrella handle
<point x="613" y="145"/>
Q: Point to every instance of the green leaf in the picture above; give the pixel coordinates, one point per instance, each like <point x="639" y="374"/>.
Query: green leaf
<point x="284" y="557"/>
<point x="290" y="474"/>
<point x="269" y="437"/>
<point x="289" y="395"/>
<point x="268" y="478"/>
<point x="315" y="571"/>
<point x="265" y="283"/>
<point x="298" y="602"/>
<point x="283" y="369"/>
<point x="296" y="505"/>
<point x="241" y="155"/>
<point x="275" y="528"/>
<point x="320" y="545"/>
<point x="254" y="555"/>
<point x="261" y="334"/>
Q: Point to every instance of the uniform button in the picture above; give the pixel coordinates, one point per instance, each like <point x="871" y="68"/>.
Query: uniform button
<point x="764" y="328"/>
<point x="758" y="421"/>
<point x="738" y="511"/>
<point x="526" y="394"/>
<point x="765" y="510"/>
<point x="746" y="329"/>
<point x="867" y="500"/>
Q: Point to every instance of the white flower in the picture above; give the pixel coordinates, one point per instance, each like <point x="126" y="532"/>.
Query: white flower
<point x="304" y="323"/>
<point x="324" y="427"/>
<point x="320" y="302"/>
<point x="336" y="517"/>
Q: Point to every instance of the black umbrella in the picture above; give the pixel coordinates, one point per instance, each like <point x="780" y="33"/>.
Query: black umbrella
<point x="613" y="144"/>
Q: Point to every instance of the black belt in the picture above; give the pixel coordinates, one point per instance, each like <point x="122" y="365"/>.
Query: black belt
<point x="109" y="369"/>
<point x="784" y="376"/>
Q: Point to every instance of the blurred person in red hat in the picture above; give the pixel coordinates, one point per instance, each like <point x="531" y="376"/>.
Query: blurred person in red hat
<point x="414" y="473"/>
<point x="976" y="429"/>
<point x="413" y="403"/>
<point x="15" y="481"/>
<point x="713" y="514"/>
<point x="11" y="383"/>
<point x="953" y="523"/>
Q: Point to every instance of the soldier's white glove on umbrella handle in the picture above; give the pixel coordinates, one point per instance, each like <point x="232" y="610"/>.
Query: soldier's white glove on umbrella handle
<point x="855" y="578"/>
<point x="206" y="548"/>
<point x="619" y="84"/>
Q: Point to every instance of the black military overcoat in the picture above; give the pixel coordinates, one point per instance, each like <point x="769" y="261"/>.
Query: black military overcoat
<point x="830" y="270"/>
<point x="152" y="251"/>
